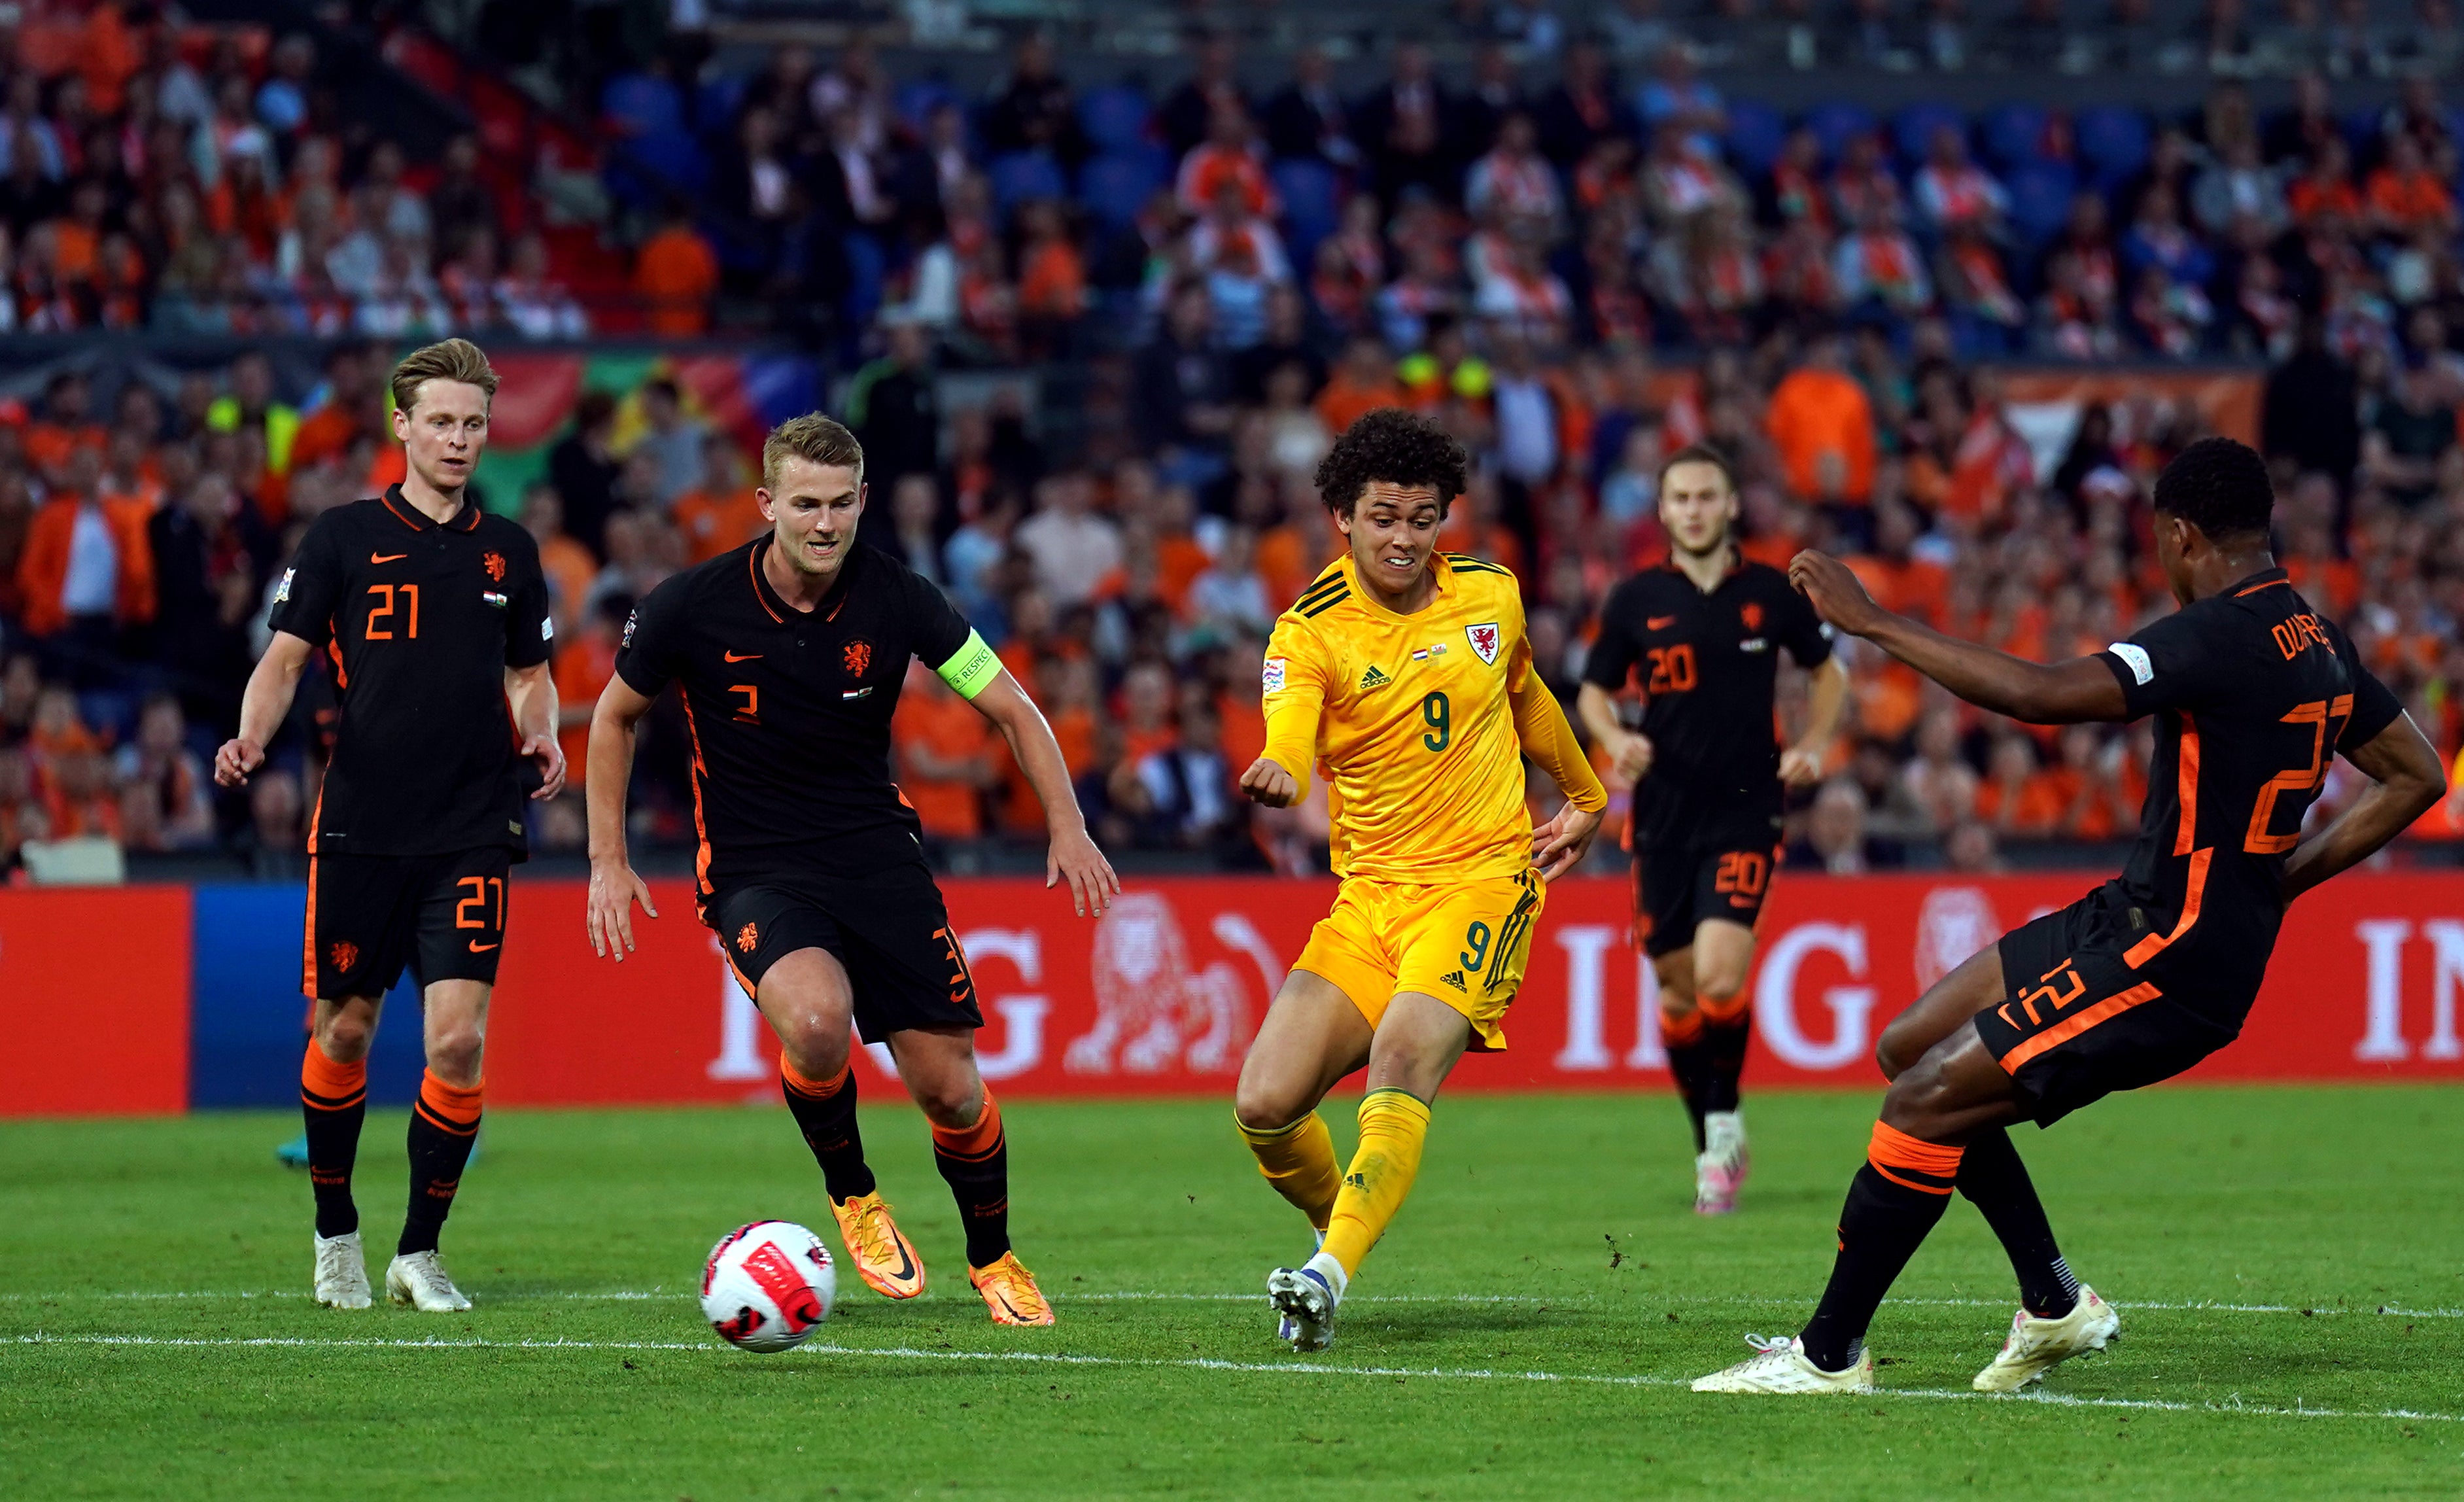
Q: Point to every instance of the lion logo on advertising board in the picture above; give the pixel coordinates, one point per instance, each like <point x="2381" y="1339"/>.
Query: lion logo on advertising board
<point x="1952" y="925"/>
<point x="1154" y="1011"/>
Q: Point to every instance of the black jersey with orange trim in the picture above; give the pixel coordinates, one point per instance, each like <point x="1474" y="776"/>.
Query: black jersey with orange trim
<point x="2253" y="693"/>
<point x="789" y="709"/>
<point x="1706" y="663"/>
<point x="421" y="621"/>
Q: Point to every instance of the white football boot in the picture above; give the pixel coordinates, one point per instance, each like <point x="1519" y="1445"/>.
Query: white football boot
<point x="341" y="1272"/>
<point x="1306" y="1297"/>
<point x="1780" y="1366"/>
<point x="1287" y="1328"/>
<point x="1720" y="1171"/>
<point x="2037" y="1346"/>
<point x="420" y="1280"/>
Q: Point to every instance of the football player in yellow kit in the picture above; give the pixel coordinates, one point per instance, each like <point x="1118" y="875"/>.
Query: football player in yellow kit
<point x="1405" y="674"/>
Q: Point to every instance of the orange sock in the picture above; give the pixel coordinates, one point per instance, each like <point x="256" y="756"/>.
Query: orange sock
<point x="1681" y="1029"/>
<point x="333" y="1101"/>
<point x="1913" y="1162"/>
<point x="450" y="1107"/>
<point x="802" y="1084"/>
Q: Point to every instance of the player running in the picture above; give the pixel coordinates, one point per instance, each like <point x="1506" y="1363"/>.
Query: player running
<point x="2152" y="971"/>
<point x="1701" y="634"/>
<point x="435" y="616"/>
<point x="789" y="652"/>
<point x="1405" y="671"/>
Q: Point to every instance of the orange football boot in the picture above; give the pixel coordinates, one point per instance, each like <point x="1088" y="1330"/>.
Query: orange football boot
<point x="883" y="1258"/>
<point x="1010" y="1292"/>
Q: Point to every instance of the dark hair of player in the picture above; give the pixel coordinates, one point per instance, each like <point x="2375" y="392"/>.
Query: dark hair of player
<point x="2218" y="486"/>
<point x="1399" y="447"/>
<point x="1700" y="453"/>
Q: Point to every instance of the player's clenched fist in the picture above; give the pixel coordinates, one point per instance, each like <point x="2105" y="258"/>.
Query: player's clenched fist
<point x="236" y="761"/>
<point x="1837" y="594"/>
<point x="1267" y="783"/>
<point x="1629" y="758"/>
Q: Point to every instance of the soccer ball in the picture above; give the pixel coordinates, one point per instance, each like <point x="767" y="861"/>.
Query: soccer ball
<point x="767" y="1286"/>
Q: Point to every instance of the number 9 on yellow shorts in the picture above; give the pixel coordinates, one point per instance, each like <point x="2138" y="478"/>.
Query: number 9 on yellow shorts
<point x="1464" y="943"/>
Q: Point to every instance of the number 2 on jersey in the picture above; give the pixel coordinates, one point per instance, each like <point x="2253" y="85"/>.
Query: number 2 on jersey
<point x="1672" y="670"/>
<point x="2318" y="715"/>
<point x="1441" y="717"/>
<point x="407" y="596"/>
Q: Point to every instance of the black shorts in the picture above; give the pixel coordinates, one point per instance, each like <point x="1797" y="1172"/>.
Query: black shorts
<point x="1684" y="877"/>
<point x="888" y="928"/>
<point x="2078" y="1021"/>
<point x="368" y="916"/>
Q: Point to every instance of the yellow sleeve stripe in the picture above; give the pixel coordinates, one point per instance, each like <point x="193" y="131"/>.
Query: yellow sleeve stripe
<point x="972" y="668"/>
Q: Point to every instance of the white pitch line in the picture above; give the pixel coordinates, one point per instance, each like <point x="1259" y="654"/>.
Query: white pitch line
<point x="1203" y="1364"/>
<point x="1708" y="1300"/>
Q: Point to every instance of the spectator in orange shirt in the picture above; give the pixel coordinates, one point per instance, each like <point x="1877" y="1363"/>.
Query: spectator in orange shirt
<point x="1364" y="381"/>
<point x="1065" y="688"/>
<point x="2325" y="189"/>
<point x="945" y="757"/>
<point x="1226" y="156"/>
<point x="719" y="513"/>
<point x="584" y="665"/>
<point x="1051" y="280"/>
<point x="81" y="802"/>
<point x="674" y="274"/>
<point x="2404" y="195"/>
<point x="569" y="566"/>
<point x="67" y="425"/>
<point x="87" y="574"/>
<point x="1822" y="424"/>
<point x="1179" y="557"/>
<point x="2014" y="797"/>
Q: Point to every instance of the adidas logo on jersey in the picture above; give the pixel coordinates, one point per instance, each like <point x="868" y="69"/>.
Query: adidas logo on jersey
<point x="1453" y="977"/>
<point x="1374" y="678"/>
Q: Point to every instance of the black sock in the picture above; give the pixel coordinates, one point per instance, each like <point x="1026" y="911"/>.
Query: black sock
<point x="334" y="1100"/>
<point x="824" y="1112"/>
<point x="1996" y="1183"/>
<point x="1893" y="1204"/>
<point x="1689" y="1063"/>
<point x="444" y="1123"/>
<point x="974" y="1163"/>
<point x="1724" y="1060"/>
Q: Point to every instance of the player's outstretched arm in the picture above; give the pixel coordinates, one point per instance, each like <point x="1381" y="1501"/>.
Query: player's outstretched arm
<point x="531" y="693"/>
<point x="614" y="885"/>
<point x="1074" y="857"/>
<point x="2041" y="693"/>
<point x="2405" y="780"/>
<point x="268" y="698"/>
<point x="1559" y="845"/>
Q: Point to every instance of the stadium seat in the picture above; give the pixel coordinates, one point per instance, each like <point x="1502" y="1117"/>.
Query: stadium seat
<point x="1755" y="134"/>
<point x="915" y="100"/>
<point x="1912" y="130"/>
<point x="2113" y="141"/>
<point x="1115" y="117"/>
<point x="1116" y="186"/>
<point x="2040" y="200"/>
<point x="1837" y="123"/>
<point x="2014" y="135"/>
<point x="642" y="105"/>
<point x="1021" y="175"/>
<point x="715" y="105"/>
<point x="1312" y="206"/>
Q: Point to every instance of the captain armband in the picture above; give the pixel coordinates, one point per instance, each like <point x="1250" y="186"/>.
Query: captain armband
<point x="972" y="668"/>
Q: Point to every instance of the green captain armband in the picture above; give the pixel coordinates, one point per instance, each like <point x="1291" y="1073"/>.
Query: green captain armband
<point x="972" y="668"/>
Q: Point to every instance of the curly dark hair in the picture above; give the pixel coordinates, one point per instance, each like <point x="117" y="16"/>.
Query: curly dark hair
<point x="2220" y="487"/>
<point x="1399" y="447"/>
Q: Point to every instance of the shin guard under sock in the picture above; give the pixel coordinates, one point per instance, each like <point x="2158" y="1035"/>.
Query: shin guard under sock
<point x="334" y="1098"/>
<point x="974" y="1161"/>
<point x="1894" y="1202"/>
<point x="824" y="1112"/>
<point x="1394" y="1128"/>
<point x="1298" y="1159"/>
<point x="444" y="1123"/>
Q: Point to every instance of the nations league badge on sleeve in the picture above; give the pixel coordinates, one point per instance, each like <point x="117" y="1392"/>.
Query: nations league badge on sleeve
<point x="1274" y="675"/>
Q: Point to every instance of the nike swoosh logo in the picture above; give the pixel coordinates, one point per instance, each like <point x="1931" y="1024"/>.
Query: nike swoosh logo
<point x="740" y="656"/>
<point x="386" y="557"/>
<point x="478" y="948"/>
<point x="906" y="1264"/>
<point x="1659" y="622"/>
<point x="1003" y="1300"/>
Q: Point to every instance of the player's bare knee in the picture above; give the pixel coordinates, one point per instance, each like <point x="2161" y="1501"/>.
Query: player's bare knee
<point x="817" y="1050"/>
<point x="1896" y="1049"/>
<point x="345" y="1039"/>
<point x="454" y="1054"/>
<point x="954" y="1103"/>
<point x="1920" y="1099"/>
<point x="1721" y="977"/>
<point x="1264" y="1107"/>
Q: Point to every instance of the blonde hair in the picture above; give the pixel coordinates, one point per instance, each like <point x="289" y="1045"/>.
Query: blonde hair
<point x="814" y="436"/>
<point x="452" y="360"/>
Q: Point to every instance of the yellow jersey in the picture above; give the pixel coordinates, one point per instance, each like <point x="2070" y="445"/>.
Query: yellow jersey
<point x="1415" y="719"/>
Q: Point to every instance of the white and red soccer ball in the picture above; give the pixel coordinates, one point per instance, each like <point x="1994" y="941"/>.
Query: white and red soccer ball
<point x="767" y="1286"/>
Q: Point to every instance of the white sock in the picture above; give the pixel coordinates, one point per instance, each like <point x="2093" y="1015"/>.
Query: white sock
<point x="1326" y="1267"/>
<point x="1317" y="1235"/>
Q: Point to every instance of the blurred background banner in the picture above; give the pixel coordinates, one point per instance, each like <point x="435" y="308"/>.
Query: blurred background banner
<point x="1158" y="998"/>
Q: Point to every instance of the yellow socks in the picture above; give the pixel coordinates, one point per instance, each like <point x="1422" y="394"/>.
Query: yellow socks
<point x="1394" y="1124"/>
<point x="1299" y="1160"/>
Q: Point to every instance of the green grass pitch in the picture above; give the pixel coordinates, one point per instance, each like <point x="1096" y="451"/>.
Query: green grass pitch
<point x="1526" y="1328"/>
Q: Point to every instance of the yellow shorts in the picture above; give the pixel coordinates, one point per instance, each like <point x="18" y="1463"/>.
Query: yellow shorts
<point x="1464" y="943"/>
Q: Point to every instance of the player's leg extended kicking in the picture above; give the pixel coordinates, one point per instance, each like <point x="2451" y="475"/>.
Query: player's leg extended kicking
<point x="809" y="1001"/>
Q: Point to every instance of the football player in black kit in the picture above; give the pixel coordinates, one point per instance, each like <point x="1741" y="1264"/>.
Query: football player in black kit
<point x="1701" y="636"/>
<point x="435" y="617"/>
<point x="2149" y="973"/>
<point x="789" y="652"/>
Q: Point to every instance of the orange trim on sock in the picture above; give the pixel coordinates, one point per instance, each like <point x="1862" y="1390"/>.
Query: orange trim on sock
<point x="1930" y="1167"/>
<point x="328" y="1084"/>
<point x="974" y="1141"/>
<point x="1723" y="1011"/>
<point x="795" y="1080"/>
<point x="1681" y="1028"/>
<point x="452" y="1108"/>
